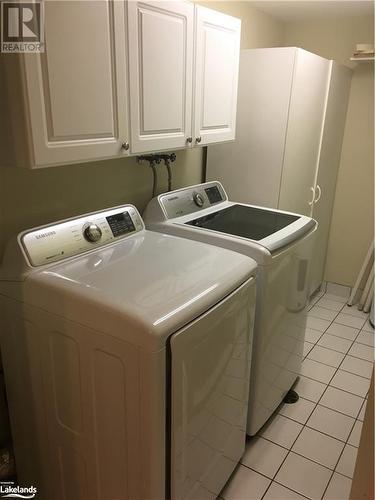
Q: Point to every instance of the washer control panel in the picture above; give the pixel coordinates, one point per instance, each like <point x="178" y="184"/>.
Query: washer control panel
<point x="120" y="223"/>
<point x="75" y="236"/>
<point x="193" y="199"/>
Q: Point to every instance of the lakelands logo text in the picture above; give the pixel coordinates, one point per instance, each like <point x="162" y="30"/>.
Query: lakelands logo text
<point x="8" y="490"/>
<point x="22" y="27"/>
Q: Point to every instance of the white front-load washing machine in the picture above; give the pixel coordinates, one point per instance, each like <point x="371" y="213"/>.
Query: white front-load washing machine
<point x="281" y="243"/>
<point x="127" y="356"/>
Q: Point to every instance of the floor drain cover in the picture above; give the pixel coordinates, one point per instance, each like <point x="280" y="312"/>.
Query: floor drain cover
<point x="291" y="397"/>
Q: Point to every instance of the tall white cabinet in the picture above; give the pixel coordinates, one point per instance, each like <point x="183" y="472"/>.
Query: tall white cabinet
<point x="308" y="95"/>
<point x="290" y="123"/>
<point x="329" y="161"/>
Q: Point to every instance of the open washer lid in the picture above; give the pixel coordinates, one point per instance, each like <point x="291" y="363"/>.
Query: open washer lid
<point x="135" y="284"/>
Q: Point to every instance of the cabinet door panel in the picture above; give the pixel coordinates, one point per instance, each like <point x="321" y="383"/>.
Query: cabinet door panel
<point x="306" y="115"/>
<point x="160" y="60"/>
<point x="76" y="89"/>
<point x="217" y="62"/>
<point x="248" y="167"/>
<point x="329" y="161"/>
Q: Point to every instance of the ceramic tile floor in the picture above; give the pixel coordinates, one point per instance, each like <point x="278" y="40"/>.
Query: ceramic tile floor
<point x="308" y="449"/>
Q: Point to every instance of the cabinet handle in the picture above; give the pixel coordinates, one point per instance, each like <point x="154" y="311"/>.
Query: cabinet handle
<point x="125" y="145"/>
<point x="198" y="139"/>
<point x="313" y="196"/>
<point x="319" y="193"/>
<point x="189" y="140"/>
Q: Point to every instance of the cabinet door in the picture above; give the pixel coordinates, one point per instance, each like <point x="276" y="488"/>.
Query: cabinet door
<point x="329" y="161"/>
<point x="76" y="90"/>
<point x="304" y="132"/>
<point x="161" y="71"/>
<point x="216" y="76"/>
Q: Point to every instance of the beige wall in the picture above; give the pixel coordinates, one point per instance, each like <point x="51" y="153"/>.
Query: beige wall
<point x="353" y="213"/>
<point x="258" y="29"/>
<point x="34" y="197"/>
<point x="29" y="198"/>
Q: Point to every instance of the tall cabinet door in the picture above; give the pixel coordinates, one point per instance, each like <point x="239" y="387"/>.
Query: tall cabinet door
<point x="329" y="161"/>
<point x="75" y="89"/>
<point x="216" y="76"/>
<point x="161" y="74"/>
<point x="249" y="168"/>
<point x="305" y="125"/>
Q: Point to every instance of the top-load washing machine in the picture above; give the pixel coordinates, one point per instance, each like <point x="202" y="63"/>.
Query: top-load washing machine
<point x="281" y="243"/>
<point x="127" y="358"/>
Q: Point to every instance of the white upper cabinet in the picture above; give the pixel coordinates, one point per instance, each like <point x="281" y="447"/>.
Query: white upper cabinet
<point x="119" y="78"/>
<point x="216" y="76"/>
<point x="75" y="96"/>
<point x="161" y="74"/>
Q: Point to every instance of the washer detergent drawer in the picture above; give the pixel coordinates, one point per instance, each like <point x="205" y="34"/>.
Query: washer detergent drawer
<point x="210" y="368"/>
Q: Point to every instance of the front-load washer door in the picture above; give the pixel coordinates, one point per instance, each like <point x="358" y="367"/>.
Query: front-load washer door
<point x="210" y="367"/>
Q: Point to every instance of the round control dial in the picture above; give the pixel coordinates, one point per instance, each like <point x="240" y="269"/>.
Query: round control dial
<point x="198" y="199"/>
<point x="92" y="233"/>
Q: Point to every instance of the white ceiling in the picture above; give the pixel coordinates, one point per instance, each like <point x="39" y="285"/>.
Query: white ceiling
<point x="299" y="10"/>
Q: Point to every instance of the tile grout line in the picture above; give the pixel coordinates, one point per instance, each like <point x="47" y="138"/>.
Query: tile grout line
<point x="271" y="479"/>
<point x="312" y="428"/>
<point x="345" y="354"/>
<point x="286" y="456"/>
<point x="318" y="401"/>
<point x="328" y="383"/>
<point x="287" y="488"/>
<point x="324" y="406"/>
<point x="346" y="371"/>
<point x="338" y="312"/>
<point x="282" y="463"/>
<point x="346" y="442"/>
<point x="342" y="451"/>
<point x="342" y="413"/>
<point x="316" y="404"/>
<point x="300" y="454"/>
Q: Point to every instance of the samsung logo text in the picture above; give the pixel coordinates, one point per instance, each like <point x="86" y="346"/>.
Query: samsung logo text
<point x="45" y="235"/>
